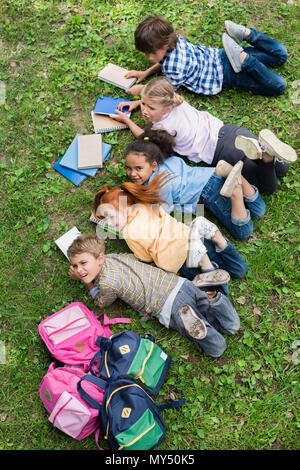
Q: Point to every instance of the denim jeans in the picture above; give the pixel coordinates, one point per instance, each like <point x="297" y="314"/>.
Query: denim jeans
<point x="255" y="75"/>
<point x="221" y="207"/>
<point x="218" y="314"/>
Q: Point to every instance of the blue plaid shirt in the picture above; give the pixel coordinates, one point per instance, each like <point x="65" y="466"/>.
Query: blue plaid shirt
<point x="198" y="68"/>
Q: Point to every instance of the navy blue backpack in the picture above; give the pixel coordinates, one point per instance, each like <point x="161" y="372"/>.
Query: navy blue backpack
<point x="129" y="417"/>
<point x="127" y="353"/>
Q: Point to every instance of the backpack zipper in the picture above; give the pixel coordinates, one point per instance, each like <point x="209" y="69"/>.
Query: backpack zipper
<point x="139" y="375"/>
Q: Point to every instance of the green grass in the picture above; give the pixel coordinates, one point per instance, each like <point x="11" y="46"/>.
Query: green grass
<point x="50" y="53"/>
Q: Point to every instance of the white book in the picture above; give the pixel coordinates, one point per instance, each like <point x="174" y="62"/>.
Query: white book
<point x="114" y="74"/>
<point x="67" y="239"/>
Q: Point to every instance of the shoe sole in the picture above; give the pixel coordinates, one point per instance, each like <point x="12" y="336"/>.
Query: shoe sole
<point x="231" y="180"/>
<point x="229" y="56"/>
<point x="194" y="326"/>
<point x="248" y="146"/>
<point x="274" y="147"/>
<point x="212" y="278"/>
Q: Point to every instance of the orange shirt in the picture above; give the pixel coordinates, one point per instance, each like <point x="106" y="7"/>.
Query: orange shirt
<point x="154" y="236"/>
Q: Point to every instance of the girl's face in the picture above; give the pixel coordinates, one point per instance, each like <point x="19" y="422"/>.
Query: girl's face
<point x="153" y="111"/>
<point x="138" y="168"/>
<point x="112" y="217"/>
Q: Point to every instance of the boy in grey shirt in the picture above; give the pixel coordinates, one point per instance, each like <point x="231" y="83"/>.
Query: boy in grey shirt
<point x="175" y="301"/>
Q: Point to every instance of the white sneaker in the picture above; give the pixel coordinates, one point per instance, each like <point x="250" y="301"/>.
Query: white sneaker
<point x="275" y="148"/>
<point x="200" y="228"/>
<point x="249" y="146"/>
<point x="196" y="250"/>
<point x="234" y="178"/>
<point x="193" y="325"/>
<point x="204" y="227"/>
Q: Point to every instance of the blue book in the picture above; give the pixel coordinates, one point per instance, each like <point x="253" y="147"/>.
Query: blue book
<point x="73" y="176"/>
<point x="70" y="158"/>
<point x="106" y="105"/>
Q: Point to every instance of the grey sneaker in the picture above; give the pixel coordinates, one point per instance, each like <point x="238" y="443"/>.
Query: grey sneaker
<point x="216" y="277"/>
<point x="193" y="325"/>
<point x="236" y="31"/>
<point x="249" y="146"/>
<point x="233" y="51"/>
<point x="275" y="148"/>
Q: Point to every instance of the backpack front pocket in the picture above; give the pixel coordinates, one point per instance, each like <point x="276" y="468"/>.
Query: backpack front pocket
<point x="69" y="415"/>
<point x="144" y="434"/>
<point x="149" y="365"/>
<point x="66" y="324"/>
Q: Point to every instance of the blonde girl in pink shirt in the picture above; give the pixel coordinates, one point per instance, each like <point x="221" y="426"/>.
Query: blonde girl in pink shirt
<point x="202" y="137"/>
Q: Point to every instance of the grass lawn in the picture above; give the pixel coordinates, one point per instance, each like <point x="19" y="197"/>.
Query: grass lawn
<point x="50" y="53"/>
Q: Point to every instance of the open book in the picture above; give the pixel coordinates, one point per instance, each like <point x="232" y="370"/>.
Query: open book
<point x="67" y="239"/>
<point x="95" y="220"/>
<point x="115" y="75"/>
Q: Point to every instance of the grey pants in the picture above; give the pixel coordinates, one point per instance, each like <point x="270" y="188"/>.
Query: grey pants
<point x="218" y="314"/>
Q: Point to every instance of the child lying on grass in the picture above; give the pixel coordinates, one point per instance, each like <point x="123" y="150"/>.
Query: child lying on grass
<point x="176" y="302"/>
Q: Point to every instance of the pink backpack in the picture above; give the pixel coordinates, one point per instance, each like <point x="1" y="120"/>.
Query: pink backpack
<point x="71" y="333"/>
<point x="68" y="411"/>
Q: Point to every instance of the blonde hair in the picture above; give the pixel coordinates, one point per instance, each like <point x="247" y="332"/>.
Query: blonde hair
<point x="86" y="244"/>
<point x="161" y="91"/>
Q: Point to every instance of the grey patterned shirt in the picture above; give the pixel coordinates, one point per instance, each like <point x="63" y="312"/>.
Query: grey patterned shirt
<point x="143" y="286"/>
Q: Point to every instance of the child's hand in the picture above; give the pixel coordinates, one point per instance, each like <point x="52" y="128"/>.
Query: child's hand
<point x="121" y="117"/>
<point x="135" y="90"/>
<point x="73" y="275"/>
<point x="139" y="74"/>
<point x="130" y="105"/>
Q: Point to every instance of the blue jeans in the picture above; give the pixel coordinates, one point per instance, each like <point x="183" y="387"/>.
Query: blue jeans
<point x="221" y="207"/>
<point x="255" y="75"/>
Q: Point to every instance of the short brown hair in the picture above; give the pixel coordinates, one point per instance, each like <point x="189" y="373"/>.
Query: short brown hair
<point x="86" y="244"/>
<point x="153" y="33"/>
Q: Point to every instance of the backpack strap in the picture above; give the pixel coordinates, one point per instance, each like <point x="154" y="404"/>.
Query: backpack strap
<point x="96" y="381"/>
<point x="103" y="344"/>
<point x="172" y="404"/>
<point x="111" y="321"/>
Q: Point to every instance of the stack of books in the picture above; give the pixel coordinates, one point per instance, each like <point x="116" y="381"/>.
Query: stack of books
<point x="83" y="158"/>
<point x="104" y="107"/>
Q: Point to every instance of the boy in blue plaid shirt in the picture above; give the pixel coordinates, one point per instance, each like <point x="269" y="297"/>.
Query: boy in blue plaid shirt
<point x="207" y="70"/>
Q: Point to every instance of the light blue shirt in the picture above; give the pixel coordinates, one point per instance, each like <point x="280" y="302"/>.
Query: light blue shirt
<point x="184" y="190"/>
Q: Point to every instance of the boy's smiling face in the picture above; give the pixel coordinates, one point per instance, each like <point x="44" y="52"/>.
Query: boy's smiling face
<point x="87" y="266"/>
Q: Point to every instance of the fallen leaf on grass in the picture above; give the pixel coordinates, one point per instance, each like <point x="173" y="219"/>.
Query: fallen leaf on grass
<point x="256" y="311"/>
